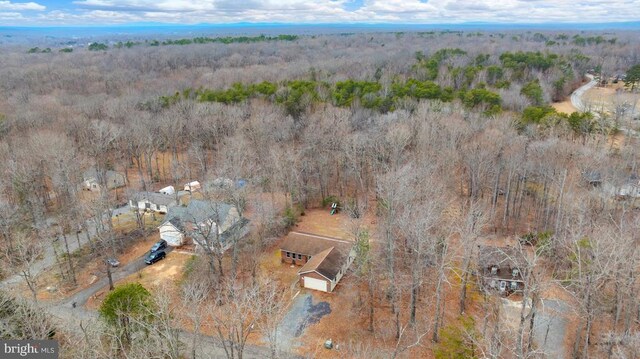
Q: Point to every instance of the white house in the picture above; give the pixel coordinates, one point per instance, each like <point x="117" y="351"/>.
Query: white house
<point x="152" y="201"/>
<point x="172" y="232"/>
<point x="199" y="218"/>
<point x="92" y="180"/>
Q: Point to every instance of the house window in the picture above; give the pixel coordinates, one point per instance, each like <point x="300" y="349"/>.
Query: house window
<point x="147" y="205"/>
<point x="515" y="272"/>
<point x="494" y="270"/>
<point x="288" y="254"/>
<point x="299" y="256"/>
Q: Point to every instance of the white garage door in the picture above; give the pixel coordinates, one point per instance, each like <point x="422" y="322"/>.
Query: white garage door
<point x="172" y="238"/>
<point x="316" y="284"/>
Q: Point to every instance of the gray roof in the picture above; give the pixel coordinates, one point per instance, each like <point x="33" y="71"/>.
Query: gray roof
<point x="501" y="257"/>
<point x="592" y="176"/>
<point x="198" y="211"/>
<point x="155" y="197"/>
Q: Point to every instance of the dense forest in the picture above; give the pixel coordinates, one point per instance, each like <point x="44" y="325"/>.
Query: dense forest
<point x="433" y="143"/>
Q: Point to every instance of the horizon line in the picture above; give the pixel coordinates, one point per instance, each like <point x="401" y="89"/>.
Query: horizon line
<point x="303" y="24"/>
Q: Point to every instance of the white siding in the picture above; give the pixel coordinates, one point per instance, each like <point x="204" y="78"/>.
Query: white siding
<point x="313" y="283"/>
<point x="90" y="185"/>
<point x="171" y="234"/>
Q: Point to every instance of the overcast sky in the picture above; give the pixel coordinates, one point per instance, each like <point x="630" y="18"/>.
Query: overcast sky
<point x="108" y="12"/>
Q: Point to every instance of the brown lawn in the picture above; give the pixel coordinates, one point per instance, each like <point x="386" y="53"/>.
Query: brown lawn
<point x="164" y="275"/>
<point x="564" y="107"/>
<point x="320" y="221"/>
<point x="605" y="98"/>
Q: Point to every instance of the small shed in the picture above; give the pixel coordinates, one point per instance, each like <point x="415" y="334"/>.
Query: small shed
<point x="192" y="186"/>
<point x="169" y="190"/>
<point x="324" y="260"/>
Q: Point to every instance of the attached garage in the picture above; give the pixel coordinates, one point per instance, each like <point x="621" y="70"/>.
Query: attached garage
<point x="171" y="233"/>
<point x="308" y="281"/>
<point x="324" y="260"/>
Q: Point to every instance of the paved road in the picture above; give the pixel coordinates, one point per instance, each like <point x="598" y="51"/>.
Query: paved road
<point x="80" y="298"/>
<point x="208" y="347"/>
<point x="576" y="96"/>
<point x="66" y="315"/>
<point x="57" y="244"/>
<point x="550" y="325"/>
<point x="578" y="103"/>
<point x="550" y="328"/>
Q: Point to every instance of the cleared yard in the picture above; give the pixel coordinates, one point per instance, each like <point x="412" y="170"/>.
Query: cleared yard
<point x="126" y="222"/>
<point x="607" y="98"/>
<point x="564" y="107"/>
<point x="163" y="275"/>
<point x="320" y="221"/>
<point x="166" y="271"/>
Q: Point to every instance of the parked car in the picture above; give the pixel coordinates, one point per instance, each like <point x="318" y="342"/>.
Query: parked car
<point x="159" y="245"/>
<point x="112" y="262"/>
<point x="153" y="257"/>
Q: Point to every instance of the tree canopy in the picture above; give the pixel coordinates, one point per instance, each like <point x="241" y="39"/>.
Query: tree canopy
<point x="633" y="76"/>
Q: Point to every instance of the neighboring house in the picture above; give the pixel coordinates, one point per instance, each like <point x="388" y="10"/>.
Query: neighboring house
<point x="222" y="183"/>
<point x="630" y="188"/>
<point x="324" y="260"/>
<point x="218" y="183"/>
<point x="501" y="269"/>
<point x="91" y="180"/>
<point x="201" y="218"/>
<point x="192" y="186"/>
<point x="152" y="201"/>
<point x="593" y="178"/>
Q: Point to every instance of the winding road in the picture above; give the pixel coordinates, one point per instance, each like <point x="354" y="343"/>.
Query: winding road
<point x="576" y="96"/>
<point x="578" y="103"/>
<point x="71" y="317"/>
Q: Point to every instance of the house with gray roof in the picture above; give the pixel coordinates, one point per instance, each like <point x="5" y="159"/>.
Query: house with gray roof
<point x="93" y="180"/>
<point x="152" y="201"/>
<point x="502" y="269"/>
<point x="200" y="218"/>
